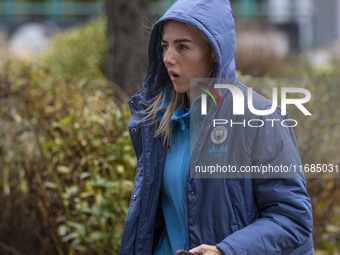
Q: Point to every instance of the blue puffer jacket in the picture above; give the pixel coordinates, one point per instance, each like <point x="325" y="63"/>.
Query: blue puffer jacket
<point x="239" y="216"/>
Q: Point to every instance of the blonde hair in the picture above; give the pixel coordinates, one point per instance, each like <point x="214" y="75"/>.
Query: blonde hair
<point x="163" y="128"/>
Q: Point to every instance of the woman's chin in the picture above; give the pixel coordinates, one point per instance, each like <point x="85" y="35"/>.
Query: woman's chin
<point x="180" y="89"/>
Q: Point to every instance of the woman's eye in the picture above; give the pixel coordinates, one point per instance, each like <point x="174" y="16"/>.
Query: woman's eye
<point x="164" y="47"/>
<point x="182" y="47"/>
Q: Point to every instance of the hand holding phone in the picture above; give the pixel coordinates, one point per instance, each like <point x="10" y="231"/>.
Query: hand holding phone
<point x="183" y="252"/>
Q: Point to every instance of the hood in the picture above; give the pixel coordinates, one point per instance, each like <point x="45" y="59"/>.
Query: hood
<point x="214" y="20"/>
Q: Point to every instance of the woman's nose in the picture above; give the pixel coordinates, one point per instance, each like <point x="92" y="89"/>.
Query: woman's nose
<point x="169" y="57"/>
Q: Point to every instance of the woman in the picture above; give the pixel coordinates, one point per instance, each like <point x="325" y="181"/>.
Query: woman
<point x="169" y="210"/>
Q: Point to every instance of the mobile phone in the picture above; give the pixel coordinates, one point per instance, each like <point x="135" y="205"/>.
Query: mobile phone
<point x="183" y="252"/>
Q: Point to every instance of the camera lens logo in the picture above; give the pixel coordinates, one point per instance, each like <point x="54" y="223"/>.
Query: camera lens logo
<point x="209" y="93"/>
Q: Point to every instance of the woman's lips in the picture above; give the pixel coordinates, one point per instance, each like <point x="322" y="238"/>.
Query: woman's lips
<point x="173" y="75"/>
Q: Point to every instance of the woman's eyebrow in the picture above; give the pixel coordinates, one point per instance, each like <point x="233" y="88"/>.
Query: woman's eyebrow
<point x="179" y="40"/>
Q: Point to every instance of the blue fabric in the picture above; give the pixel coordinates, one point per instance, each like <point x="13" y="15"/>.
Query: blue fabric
<point x="174" y="179"/>
<point x="164" y="247"/>
<point x="175" y="175"/>
<point x="239" y="216"/>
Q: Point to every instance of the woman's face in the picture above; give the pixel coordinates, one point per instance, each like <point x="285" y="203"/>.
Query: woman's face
<point x="185" y="55"/>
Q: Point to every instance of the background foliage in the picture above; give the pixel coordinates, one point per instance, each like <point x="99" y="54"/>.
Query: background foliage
<point x="67" y="165"/>
<point x="65" y="153"/>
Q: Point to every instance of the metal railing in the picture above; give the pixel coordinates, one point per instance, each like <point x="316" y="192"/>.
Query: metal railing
<point x="58" y="10"/>
<point x="51" y="9"/>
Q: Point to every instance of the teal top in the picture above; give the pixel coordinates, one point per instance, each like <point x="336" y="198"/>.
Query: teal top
<point x="173" y="188"/>
<point x="176" y="173"/>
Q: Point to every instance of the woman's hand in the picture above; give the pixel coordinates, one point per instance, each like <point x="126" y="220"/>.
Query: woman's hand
<point x="205" y="249"/>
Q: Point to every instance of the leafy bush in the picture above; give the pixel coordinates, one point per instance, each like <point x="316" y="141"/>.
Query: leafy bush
<point x="78" y="53"/>
<point x="65" y="147"/>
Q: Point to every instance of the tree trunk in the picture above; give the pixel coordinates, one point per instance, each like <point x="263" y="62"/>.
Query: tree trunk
<point x="127" y="25"/>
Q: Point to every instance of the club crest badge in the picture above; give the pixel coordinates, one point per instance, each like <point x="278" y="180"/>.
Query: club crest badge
<point x="219" y="134"/>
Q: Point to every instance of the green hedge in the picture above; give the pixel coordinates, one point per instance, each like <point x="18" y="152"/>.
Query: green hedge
<point x="64" y="143"/>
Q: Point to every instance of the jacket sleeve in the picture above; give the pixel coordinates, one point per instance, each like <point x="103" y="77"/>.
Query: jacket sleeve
<point x="284" y="221"/>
